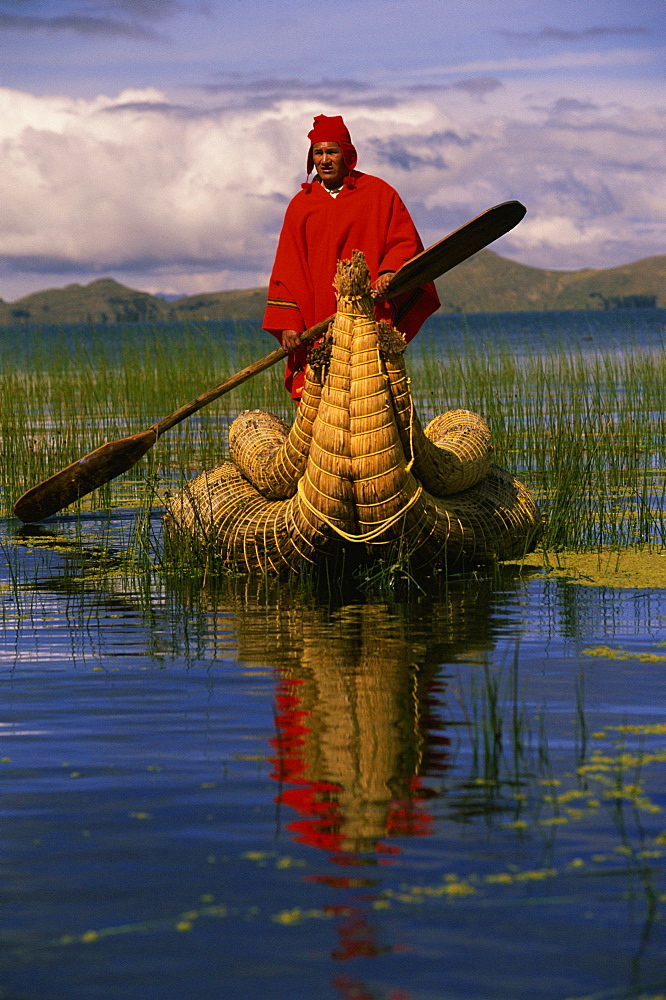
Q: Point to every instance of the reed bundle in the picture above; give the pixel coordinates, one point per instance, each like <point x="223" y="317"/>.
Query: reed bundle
<point x="356" y="469"/>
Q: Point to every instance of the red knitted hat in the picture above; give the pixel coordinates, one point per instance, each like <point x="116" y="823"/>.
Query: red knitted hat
<point x="332" y="129"/>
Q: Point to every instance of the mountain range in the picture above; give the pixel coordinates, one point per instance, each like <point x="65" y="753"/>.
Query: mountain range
<point x="486" y="282"/>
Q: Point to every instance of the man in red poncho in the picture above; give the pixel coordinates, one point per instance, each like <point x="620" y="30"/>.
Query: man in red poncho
<point x="339" y="211"/>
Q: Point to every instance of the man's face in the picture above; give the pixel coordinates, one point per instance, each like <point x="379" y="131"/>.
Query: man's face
<point x="329" y="163"/>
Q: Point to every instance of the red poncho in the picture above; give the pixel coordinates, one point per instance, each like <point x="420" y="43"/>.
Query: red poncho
<point x="319" y="230"/>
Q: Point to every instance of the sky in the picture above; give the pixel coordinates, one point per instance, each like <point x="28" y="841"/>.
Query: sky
<point x="158" y="142"/>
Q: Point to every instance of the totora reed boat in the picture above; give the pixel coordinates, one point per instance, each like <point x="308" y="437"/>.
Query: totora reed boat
<point x="356" y="474"/>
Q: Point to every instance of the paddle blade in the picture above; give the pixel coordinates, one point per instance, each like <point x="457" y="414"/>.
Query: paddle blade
<point x="83" y="476"/>
<point x="457" y="247"/>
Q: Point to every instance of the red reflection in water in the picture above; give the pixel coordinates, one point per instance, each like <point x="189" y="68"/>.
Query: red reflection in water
<point x="356" y="939"/>
<point x="318" y="801"/>
<point x="352" y="770"/>
<point x="354" y="989"/>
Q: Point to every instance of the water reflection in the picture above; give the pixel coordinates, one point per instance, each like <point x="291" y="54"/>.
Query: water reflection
<point x="361" y="712"/>
<point x="389" y="746"/>
<point x="367" y="742"/>
<point x="353" y="737"/>
<point x="363" y="740"/>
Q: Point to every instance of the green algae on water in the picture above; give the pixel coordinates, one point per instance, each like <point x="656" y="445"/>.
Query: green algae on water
<point x="622" y="568"/>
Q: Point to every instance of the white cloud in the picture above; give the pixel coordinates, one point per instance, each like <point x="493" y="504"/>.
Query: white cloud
<point x="111" y="181"/>
<point x="600" y="169"/>
<point x="185" y="198"/>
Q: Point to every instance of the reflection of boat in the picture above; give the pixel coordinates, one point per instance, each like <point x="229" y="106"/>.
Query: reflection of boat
<point x="352" y="744"/>
<point x="362" y="742"/>
<point x="359" y="742"/>
<point x="356" y="472"/>
<point x="364" y="751"/>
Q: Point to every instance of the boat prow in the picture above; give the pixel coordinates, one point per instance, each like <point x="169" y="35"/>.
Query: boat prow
<point x="356" y="470"/>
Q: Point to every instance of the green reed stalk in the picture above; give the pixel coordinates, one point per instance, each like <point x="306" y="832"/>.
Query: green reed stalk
<point x="585" y="432"/>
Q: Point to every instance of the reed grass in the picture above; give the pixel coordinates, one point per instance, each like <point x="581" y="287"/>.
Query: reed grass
<point x="585" y="431"/>
<point x="66" y="392"/>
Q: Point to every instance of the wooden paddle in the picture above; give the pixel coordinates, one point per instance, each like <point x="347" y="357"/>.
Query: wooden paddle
<point x="115" y="457"/>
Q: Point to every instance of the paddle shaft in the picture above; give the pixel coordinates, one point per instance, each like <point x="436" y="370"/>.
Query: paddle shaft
<point x="115" y="457"/>
<point x="427" y="265"/>
<point x="185" y="411"/>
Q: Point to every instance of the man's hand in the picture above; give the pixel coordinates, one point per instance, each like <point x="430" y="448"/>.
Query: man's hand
<point x="291" y="340"/>
<point x="381" y="284"/>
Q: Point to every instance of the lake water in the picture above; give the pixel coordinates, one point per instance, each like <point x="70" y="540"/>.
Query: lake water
<point x="524" y="332"/>
<point x="260" y="793"/>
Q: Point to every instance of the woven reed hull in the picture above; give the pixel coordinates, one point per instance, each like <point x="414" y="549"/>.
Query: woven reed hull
<point x="497" y="519"/>
<point x="356" y="471"/>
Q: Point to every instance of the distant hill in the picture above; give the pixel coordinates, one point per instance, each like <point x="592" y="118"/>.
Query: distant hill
<point x="102" y="301"/>
<point x="248" y="304"/>
<point x="484" y="283"/>
<point x="490" y="283"/>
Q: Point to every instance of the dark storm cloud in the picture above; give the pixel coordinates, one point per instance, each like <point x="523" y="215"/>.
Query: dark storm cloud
<point x="452" y="138"/>
<point x="145" y="263"/>
<point x="79" y="24"/>
<point x="238" y="92"/>
<point x="39" y="264"/>
<point x="475" y="86"/>
<point x="586" y="34"/>
<point x="398" y="154"/>
<point x="566" y="104"/>
<point x="105" y="9"/>
<point x="595" y="200"/>
<point x="396" y="147"/>
<point x="151" y="9"/>
<point x="352" y="89"/>
<point x="161" y="108"/>
<point x="161" y="9"/>
<point x="280" y="87"/>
